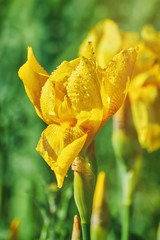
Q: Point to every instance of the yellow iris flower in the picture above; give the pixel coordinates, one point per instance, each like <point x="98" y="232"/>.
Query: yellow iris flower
<point x="144" y="92"/>
<point x="75" y="101"/>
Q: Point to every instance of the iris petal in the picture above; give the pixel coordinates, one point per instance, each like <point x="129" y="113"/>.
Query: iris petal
<point x="145" y="102"/>
<point x="33" y="77"/>
<point x="115" y="81"/>
<point x="59" y="145"/>
<point x="83" y="90"/>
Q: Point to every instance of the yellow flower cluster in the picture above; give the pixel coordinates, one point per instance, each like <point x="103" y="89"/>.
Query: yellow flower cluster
<point x="75" y="101"/>
<point x="144" y="90"/>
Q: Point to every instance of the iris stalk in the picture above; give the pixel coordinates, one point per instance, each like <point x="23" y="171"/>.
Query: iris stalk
<point x="85" y="172"/>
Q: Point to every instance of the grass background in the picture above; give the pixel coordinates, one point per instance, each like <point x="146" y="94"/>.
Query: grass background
<point x="54" y="29"/>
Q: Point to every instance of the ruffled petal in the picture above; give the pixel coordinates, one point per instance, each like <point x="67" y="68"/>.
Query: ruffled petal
<point x="145" y="102"/>
<point x="110" y="43"/>
<point x="83" y="91"/>
<point x="116" y="81"/>
<point x="64" y="70"/>
<point x="47" y="101"/>
<point x="33" y="77"/>
<point x="54" y="103"/>
<point x="147" y="122"/>
<point x="106" y="40"/>
<point x="59" y="145"/>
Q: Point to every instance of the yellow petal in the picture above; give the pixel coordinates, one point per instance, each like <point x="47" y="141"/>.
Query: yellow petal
<point x="63" y="71"/>
<point x="106" y="40"/>
<point x="83" y="90"/>
<point x="33" y="77"/>
<point x="115" y="81"/>
<point x="59" y="145"/>
<point x="145" y="60"/>
<point x="110" y="43"/>
<point x="54" y="103"/>
<point x="145" y="102"/>
<point x="147" y="125"/>
<point x="100" y="193"/>
<point x="151" y="38"/>
<point x="89" y="54"/>
<point x="47" y="102"/>
<point x="66" y="113"/>
<point x="152" y="139"/>
<point x="129" y="39"/>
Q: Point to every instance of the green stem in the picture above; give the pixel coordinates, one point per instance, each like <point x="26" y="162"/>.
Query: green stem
<point x="44" y="231"/>
<point x="86" y="231"/>
<point x="127" y="181"/>
<point x="125" y="222"/>
<point x="0" y="197"/>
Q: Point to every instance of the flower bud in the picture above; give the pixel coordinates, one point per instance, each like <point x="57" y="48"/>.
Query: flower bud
<point x="99" y="219"/>
<point x="77" y="232"/>
<point x="84" y="167"/>
<point x="14" y="235"/>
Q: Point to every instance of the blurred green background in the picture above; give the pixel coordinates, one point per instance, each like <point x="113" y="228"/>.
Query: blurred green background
<point x="54" y="29"/>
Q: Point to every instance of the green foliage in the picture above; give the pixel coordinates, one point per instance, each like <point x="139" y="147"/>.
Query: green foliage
<point x="54" y="29"/>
